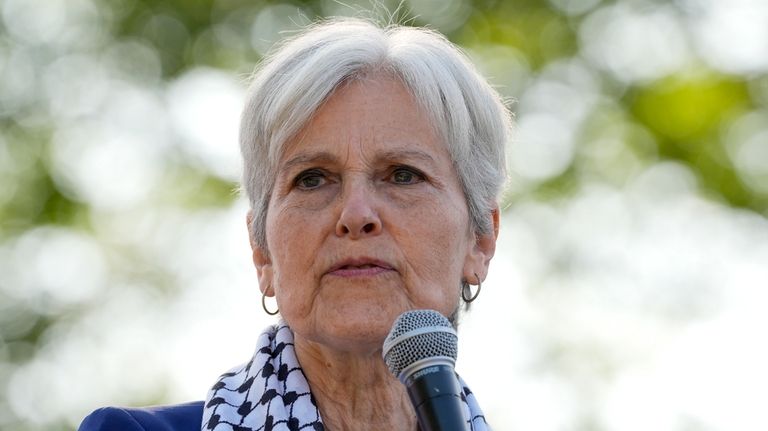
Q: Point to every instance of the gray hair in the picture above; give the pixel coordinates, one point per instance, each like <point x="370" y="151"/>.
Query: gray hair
<point x="296" y="78"/>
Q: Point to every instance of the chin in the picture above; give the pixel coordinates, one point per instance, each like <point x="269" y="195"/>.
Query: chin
<point x="356" y="340"/>
<point x="357" y="330"/>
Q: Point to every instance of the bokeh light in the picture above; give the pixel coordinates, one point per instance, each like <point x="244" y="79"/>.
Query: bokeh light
<point x="634" y="43"/>
<point x="732" y="37"/>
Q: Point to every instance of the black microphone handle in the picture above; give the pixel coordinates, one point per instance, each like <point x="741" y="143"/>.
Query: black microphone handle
<point x="436" y="396"/>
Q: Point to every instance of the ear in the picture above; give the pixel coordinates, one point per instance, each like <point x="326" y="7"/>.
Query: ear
<point x="479" y="257"/>
<point x="261" y="260"/>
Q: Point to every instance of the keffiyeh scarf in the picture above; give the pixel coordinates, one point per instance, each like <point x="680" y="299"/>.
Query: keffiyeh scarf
<point x="271" y="393"/>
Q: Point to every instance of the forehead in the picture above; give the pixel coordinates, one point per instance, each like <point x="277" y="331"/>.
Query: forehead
<point x="372" y="112"/>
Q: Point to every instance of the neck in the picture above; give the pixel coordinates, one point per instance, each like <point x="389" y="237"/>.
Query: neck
<point x="354" y="391"/>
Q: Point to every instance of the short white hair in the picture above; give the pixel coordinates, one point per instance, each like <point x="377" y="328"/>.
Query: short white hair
<point x="294" y="80"/>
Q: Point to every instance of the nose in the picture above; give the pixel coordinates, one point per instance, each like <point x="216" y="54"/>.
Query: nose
<point x="358" y="217"/>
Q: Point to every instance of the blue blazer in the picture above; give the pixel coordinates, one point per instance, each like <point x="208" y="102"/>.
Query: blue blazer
<point x="177" y="417"/>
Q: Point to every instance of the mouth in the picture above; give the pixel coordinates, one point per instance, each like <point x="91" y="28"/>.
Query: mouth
<point x="359" y="268"/>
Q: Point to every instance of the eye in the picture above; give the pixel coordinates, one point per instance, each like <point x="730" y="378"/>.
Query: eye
<point x="310" y="179"/>
<point x="406" y="175"/>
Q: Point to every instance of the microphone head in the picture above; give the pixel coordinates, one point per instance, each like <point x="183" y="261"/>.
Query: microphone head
<point x="417" y="335"/>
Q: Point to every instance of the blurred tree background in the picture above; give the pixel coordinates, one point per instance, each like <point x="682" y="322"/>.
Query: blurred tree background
<point x="631" y="276"/>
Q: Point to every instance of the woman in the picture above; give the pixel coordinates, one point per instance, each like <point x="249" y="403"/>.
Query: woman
<point x="372" y="162"/>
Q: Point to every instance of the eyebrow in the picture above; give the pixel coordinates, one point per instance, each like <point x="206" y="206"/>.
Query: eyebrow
<point x="399" y="154"/>
<point x="326" y="157"/>
<point x="310" y="158"/>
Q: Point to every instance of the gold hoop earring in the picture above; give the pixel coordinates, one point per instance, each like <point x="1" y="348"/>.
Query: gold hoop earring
<point x="465" y="288"/>
<point x="264" y="304"/>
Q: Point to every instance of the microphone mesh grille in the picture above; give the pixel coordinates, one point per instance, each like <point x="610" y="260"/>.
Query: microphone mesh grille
<point x="423" y="343"/>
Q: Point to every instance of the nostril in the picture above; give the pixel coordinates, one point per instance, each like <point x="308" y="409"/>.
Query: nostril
<point x="368" y="228"/>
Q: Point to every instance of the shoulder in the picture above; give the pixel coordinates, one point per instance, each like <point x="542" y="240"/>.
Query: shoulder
<point x="175" y="417"/>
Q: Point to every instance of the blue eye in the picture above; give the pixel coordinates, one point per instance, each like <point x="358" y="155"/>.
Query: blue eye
<point x="403" y="175"/>
<point x="310" y="179"/>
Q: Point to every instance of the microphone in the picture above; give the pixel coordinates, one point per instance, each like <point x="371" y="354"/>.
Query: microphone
<point x="421" y="350"/>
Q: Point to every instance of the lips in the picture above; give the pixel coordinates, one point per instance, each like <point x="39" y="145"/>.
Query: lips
<point x="359" y="267"/>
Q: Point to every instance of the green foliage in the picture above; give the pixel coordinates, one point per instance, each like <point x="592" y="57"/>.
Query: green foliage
<point x="687" y="115"/>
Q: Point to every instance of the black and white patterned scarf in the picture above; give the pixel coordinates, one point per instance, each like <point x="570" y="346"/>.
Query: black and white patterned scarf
<point x="271" y="393"/>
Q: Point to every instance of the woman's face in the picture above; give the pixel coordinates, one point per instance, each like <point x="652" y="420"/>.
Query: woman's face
<point x="367" y="219"/>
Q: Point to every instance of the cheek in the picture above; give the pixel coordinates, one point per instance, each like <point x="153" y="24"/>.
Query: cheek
<point x="314" y="202"/>
<point x="436" y="246"/>
<point x="443" y="230"/>
<point x="293" y="229"/>
<point x="293" y="240"/>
